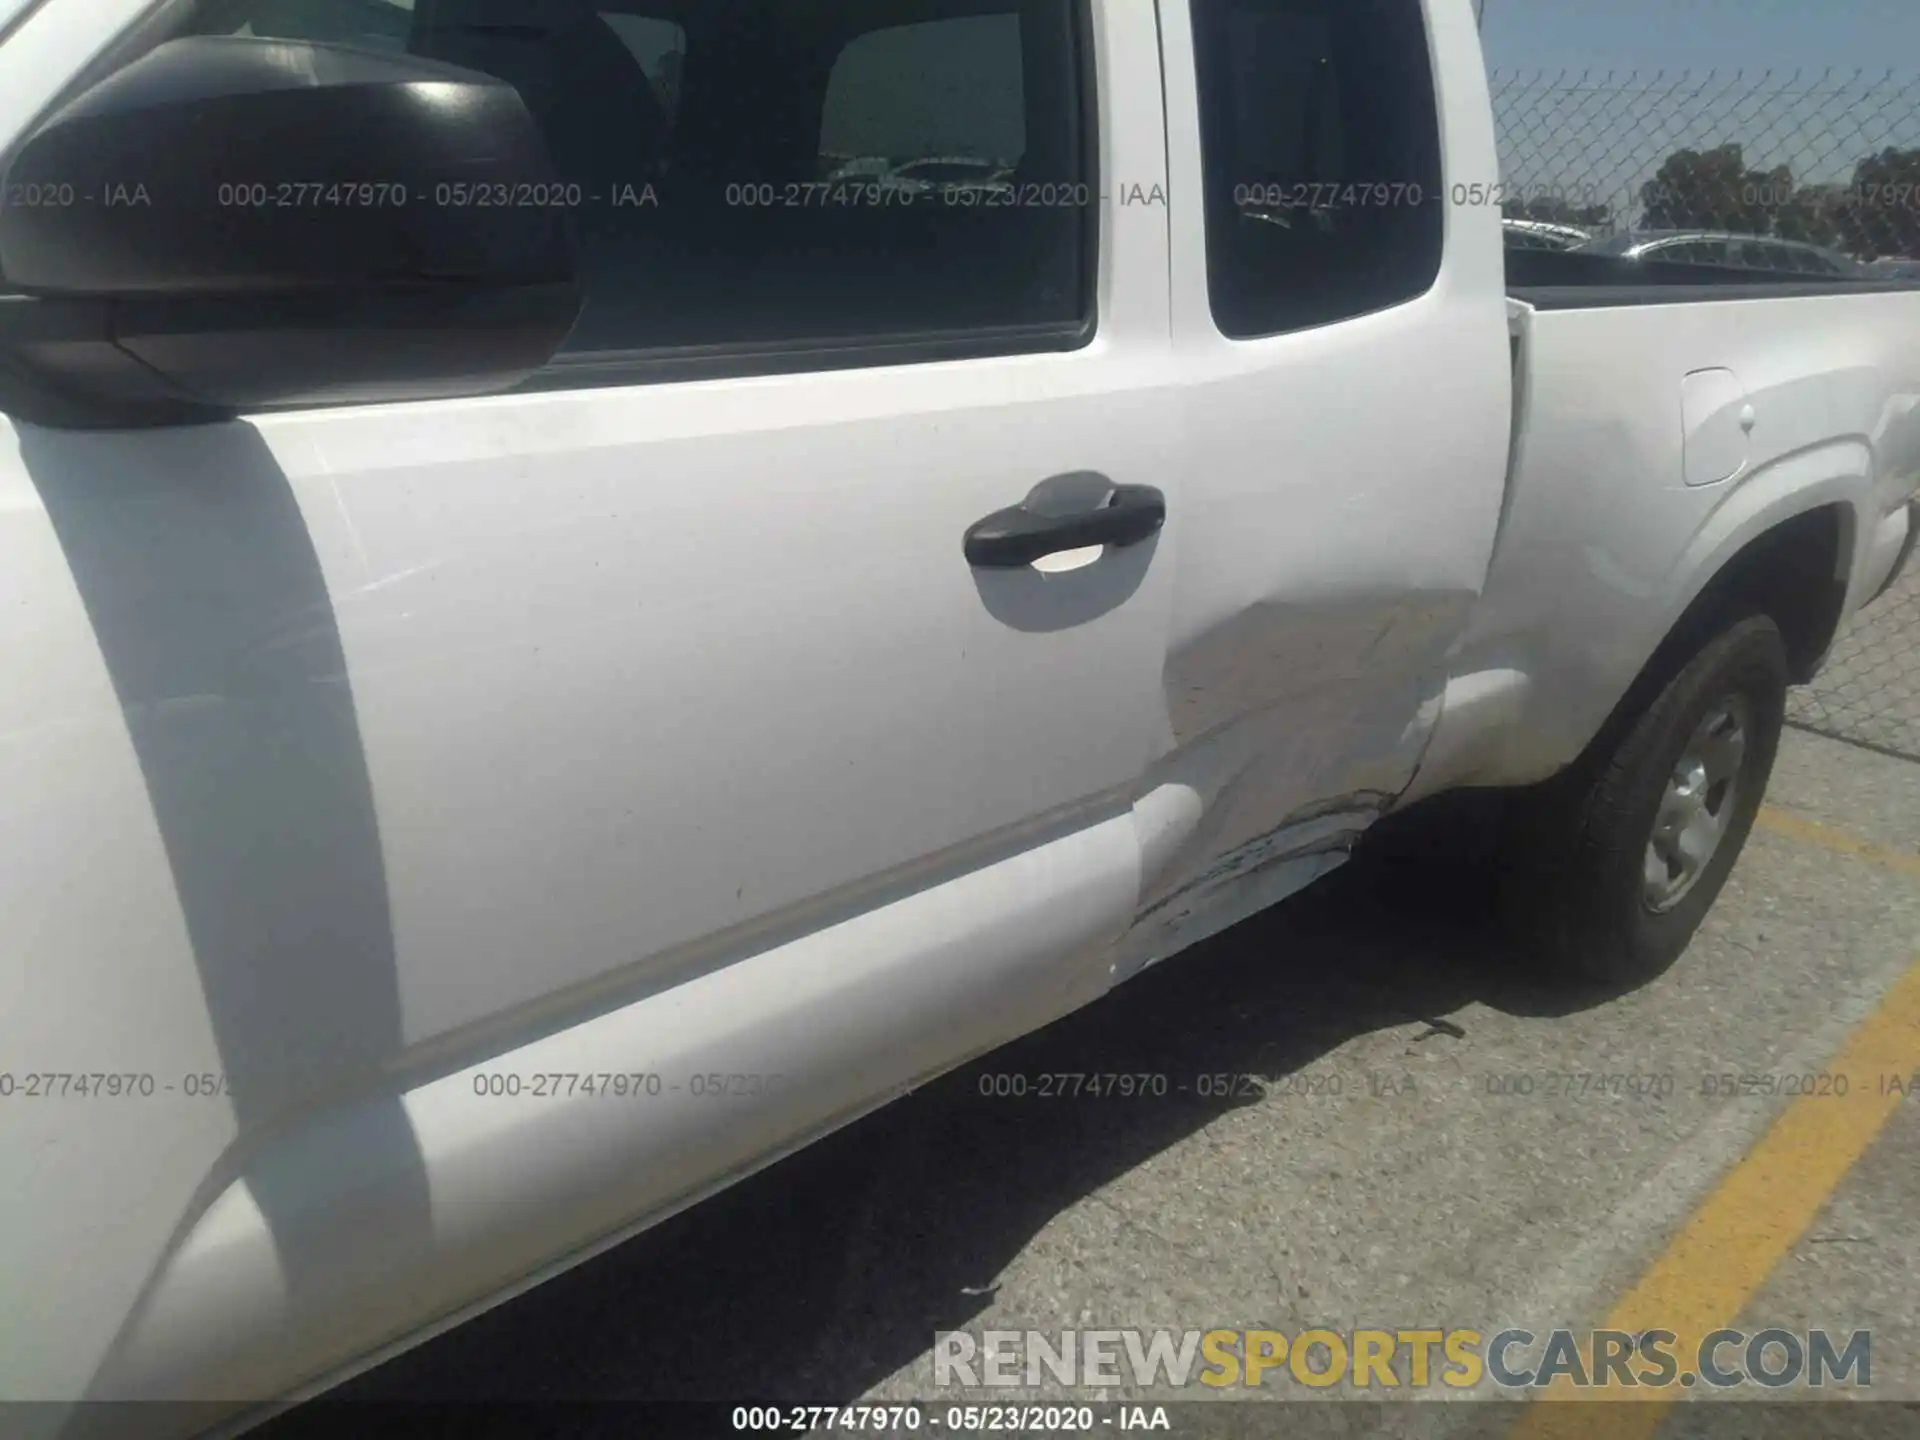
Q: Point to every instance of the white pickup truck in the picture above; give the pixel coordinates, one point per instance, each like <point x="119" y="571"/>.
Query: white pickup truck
<point x="557" y="653"/>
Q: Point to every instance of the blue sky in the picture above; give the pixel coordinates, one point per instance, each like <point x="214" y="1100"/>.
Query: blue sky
<point x="1591" y="95"/>
<point x="1703" y="34"/>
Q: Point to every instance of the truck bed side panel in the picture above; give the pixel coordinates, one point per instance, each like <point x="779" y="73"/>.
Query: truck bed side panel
<point x="1606" y="543"/>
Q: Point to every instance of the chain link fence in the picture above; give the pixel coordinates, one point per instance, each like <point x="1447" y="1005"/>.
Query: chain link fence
<point x="1869" y="692"/>
<point x="1830" y="160"/>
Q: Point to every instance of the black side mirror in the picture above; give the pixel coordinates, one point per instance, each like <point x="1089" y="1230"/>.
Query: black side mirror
<point x="238" y="223"/>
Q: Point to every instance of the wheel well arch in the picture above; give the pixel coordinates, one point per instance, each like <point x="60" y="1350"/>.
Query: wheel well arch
<point x="1795" y="572"/>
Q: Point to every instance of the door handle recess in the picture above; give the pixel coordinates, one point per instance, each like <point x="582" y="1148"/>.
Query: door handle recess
<point x="1066" y="512"/>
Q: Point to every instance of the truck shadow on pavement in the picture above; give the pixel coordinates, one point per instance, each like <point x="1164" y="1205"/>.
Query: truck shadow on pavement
<point x="820" y="1277"/>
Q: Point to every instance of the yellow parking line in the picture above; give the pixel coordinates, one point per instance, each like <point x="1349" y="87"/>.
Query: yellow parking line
<point x="1720" y="1259"/>
<point x="1812" y="832"/>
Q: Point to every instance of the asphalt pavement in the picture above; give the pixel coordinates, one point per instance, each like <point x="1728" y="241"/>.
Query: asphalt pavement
<point x="1370" y="1113"/>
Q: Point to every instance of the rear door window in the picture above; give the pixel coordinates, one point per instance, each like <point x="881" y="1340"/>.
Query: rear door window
<point x="1321" y="146"/>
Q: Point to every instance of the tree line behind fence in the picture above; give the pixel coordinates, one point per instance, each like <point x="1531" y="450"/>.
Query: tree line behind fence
<point x="1833" y="160"/>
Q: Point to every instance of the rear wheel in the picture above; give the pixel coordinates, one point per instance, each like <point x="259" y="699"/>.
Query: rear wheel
<point x="1611" y="867"/>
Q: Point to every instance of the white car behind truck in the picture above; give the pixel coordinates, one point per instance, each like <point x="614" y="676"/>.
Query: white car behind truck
<point x="554" y="657"/>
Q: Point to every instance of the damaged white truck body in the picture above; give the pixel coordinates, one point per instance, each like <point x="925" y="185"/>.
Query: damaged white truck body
<point x="556" y="656"/>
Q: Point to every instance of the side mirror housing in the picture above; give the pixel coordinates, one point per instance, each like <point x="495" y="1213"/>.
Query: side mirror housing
<point x="233" y="223"/>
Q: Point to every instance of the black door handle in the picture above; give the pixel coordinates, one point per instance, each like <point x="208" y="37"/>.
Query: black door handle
<point x="1066" y="512"/>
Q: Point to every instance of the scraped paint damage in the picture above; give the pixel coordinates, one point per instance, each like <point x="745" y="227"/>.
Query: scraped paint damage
<point x="1288" y="737"/>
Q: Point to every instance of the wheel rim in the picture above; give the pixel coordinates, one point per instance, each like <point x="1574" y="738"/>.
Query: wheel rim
<point x="1698" y="804"/>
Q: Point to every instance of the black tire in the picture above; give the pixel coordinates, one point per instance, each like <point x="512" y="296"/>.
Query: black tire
<point x="1576" y="868"/>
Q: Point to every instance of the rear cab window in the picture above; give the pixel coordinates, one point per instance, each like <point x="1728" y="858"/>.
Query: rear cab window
<point x="1321" y="147"/>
